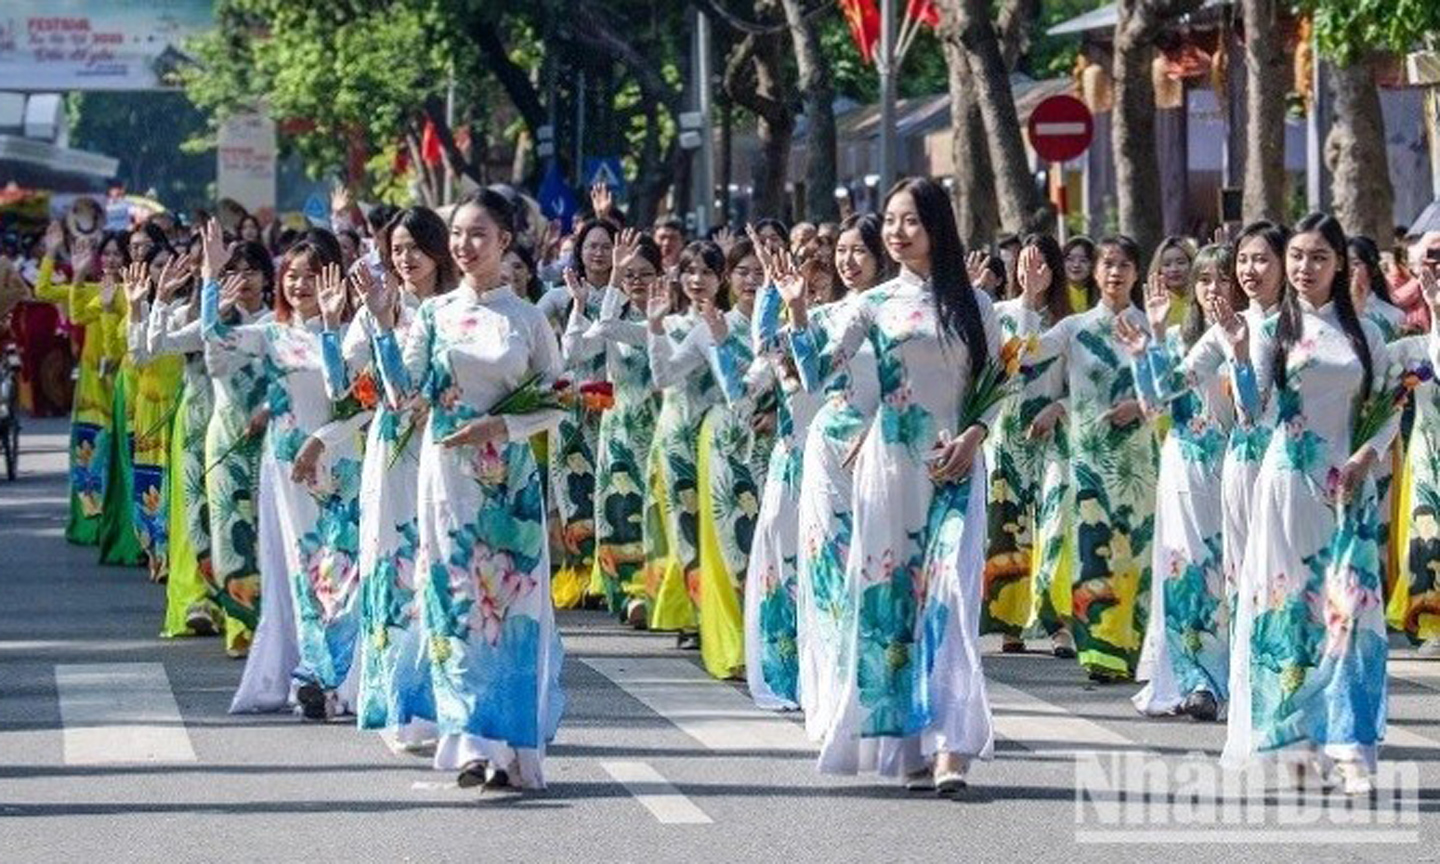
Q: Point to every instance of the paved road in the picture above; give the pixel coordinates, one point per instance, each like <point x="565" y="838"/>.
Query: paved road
<point x="654" y="762"/>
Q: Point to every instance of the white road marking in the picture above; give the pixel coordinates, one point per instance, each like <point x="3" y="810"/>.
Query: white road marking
<point x="666" y="803"/>
<point x="429" y="785"/>
<point x="1037" y="724"/>
<point x="1426" y="673"/>
<point x="120" y="712"/>
<point x="715" y="714"/>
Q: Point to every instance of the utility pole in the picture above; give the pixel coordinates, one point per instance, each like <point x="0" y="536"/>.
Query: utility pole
<point x="580" y="128"/>
<point x="705" y="205"/>
<point x="448" y="196"/>
<point x="885" y="64"/>
<point x="1317" y="180"/>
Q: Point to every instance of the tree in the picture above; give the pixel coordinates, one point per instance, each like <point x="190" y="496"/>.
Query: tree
<point x="1361" y="194"/>
<point x="1265" y="89"/>
<point x="146" y="131"/>
<point x="755" y="80"/>
<point x="976" y="213"/>
<point x="989" y="55"/>
<point x="369" y="77"/>
<point x="346" y="78"/>
<point x="818" y="95"/>
<point x="1137" y="168"/>
<point x="1350" y="32"/>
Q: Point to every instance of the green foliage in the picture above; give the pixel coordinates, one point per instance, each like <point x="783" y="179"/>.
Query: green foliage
<point x="145" y="131"/>
<point x="1346" y="29"/>
<point x="924" y="70"/>
<point x="922" y="74"/>
<point x="358" y="73"/>
<point x="1054" y="56"/>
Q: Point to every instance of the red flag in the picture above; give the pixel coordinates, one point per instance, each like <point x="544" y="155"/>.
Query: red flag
<point x="863" y="16"/>
<point x="864" y="19"/>
<point x="430" y="144"/>
<point x="923" y="11"/>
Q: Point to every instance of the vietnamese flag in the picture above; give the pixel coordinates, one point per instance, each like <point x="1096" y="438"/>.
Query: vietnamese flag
<point x="430" y="150"/>
<point x="863" y="16"/>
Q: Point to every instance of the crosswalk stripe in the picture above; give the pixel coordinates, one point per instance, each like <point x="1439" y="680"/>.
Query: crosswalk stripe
<point x="1037" y="724"/>
<point x="718" y="716"/>
<point x="120" y="712"/>
<point x="656" y="794"/>
<point x="723" y="719"/>
<point x="1426" y="673"/>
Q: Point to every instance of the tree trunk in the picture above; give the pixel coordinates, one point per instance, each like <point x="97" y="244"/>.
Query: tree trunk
<point x="1265" y="87"/>
<point x="1364" y="200"/>
<point x="1022" y="207"/>
<point x="752" y="81"/>
<point x="975" y="211"/>
<point x="1137" y="168"/>
<point x="818" y="94"/>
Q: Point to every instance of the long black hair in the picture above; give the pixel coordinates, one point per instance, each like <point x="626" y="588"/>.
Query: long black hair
<point x="1368" y="254"/>
<point x="432" y="238"/>
<point x="1130" y="249"/>
<point x="533" y="289"/>
<point x="1057" y="295"/>
<point x="1291" y="328"/>
<point x="957" y="310"/>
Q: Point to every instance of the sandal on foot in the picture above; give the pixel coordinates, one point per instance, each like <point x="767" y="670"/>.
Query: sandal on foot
<point x="471" y="774"/>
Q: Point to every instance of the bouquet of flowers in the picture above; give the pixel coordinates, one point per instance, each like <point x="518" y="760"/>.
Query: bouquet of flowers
<point x="597" y="396"/>
<point x="533" y="396"/>
<point x="1382" y="406"/>
<point x="998" y="381"/>
<point x="363" y="395"/>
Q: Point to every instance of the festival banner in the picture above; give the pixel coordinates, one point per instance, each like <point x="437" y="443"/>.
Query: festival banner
<point x="96" y="44"/>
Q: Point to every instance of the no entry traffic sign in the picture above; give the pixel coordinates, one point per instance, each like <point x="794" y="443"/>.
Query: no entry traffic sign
<point x="1060" y="128"/>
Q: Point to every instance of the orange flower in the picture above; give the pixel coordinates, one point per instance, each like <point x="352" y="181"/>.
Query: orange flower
<point x="365" y="391"/>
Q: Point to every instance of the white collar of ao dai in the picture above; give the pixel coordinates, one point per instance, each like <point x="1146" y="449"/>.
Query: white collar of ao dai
<point x="492" y="295"/>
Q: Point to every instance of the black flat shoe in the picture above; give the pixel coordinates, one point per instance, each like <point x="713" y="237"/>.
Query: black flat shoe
<point x="1201" y="706"/>
<point x="471" y="774"/>
<point x="688" y="642"/>
<point x="497" y="779"/>
<point x="311" y="697"/>
<point x="1107" y="676"/>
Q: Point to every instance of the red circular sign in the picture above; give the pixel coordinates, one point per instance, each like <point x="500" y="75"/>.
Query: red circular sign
<point x="1060" y="128"/>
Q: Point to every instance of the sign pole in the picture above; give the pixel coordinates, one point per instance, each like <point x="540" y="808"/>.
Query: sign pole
<point x="886" y="64"/>
<point x="1057" y="182"/>
<point x="1060" y="129"/>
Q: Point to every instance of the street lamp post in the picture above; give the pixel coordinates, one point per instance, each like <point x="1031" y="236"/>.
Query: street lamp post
<point x="705" y="209"/>
<point x="885" y="64"/>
